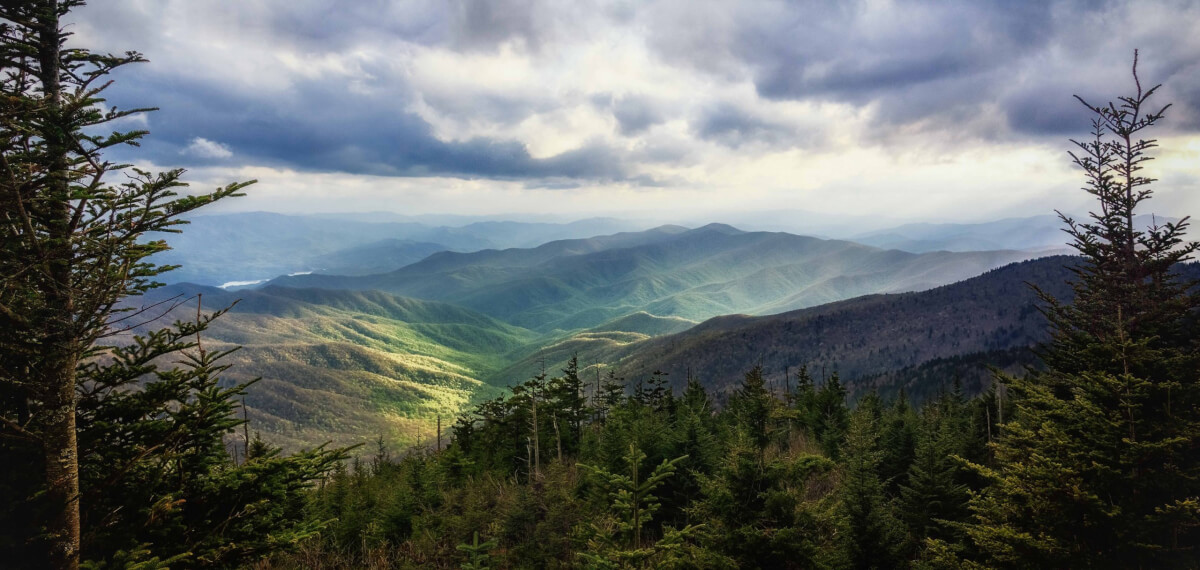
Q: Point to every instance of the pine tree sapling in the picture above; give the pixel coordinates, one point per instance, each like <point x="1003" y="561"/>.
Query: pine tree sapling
<point x="633" y="505"/>
<point x="477" y="553"/>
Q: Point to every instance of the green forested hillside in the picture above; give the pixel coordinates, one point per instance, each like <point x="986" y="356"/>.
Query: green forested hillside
<point x="866" y="335"/>
<point x="645" y="323"/>
<point x="886" y="340"/>
<point x="882" y="341"/>
<point x="694" y="274"/>
<point x="348" y="366"/>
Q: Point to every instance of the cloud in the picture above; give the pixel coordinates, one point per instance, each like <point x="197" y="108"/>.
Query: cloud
<point x="914" y="64"/>
<point x="636" y="114"/>
<point x="321" y="126"/>
<point x="694" y="96"/>
<point x="204" y="148"/>
<point x="732" y="126"/>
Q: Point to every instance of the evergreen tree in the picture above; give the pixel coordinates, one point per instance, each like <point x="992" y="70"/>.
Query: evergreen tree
<point x="157" y="482"/>
<point x="658" y="393"/>
<point x="696" y="399"/>
<point x="752" y="406"/>
<point x="768" y="514"/>
<point x="567" y="405"/>
<point x="693" y="436"/>
<point x="72" y="244"/>
<point x="831" y="416"/>
<point x="871" y="533"/>
<point x="477" y="553"/>
<point x="898" y="441"/>
<point x="612" y="391"/>
<point x="803" y="402"/>
<point x="633" y="505"/>
<point x="932" y="494"/>
<point x="1099" y="467"/>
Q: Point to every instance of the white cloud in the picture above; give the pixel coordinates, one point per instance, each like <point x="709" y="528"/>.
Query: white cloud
<point x="204" y="148"/>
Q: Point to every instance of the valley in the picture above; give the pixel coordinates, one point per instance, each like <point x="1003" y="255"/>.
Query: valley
<point x="349" y="358"/>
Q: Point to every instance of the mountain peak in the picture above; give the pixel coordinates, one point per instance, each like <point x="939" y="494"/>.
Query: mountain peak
<point x="719" y="228"/>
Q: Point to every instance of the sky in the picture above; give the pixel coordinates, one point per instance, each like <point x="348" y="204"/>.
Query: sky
<point x="930" y="111"/>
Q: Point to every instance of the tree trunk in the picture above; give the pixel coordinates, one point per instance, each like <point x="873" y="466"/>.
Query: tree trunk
<point x="57" y="382"/>
<point x="62" y="465"/>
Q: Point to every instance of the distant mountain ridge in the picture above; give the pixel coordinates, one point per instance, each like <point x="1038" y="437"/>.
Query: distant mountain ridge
<point x="1036" y="233"/>
<point x="668" y="272"/>
<point x="257" y="246"/>
<point x="215" y="249"/>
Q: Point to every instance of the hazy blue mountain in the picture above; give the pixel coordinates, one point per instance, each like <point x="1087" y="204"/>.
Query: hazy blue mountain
<point x="795" y="221"/>
<point x="254" y="246"/>
<point x="1037" y="233"/>
<point x="375" y="257"/>
<point x="669" y="272"/>
<point x="508" y="234"/>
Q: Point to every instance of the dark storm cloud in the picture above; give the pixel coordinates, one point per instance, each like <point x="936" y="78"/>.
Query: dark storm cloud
<point x="1048" y="110"/>
<point x="636" y="114"/>
<point x="498" y="108"/>
<point x="484" y="24"/>
<point x="849" y="58"/>
<point x="733" y="127"/>
<point x="321" y="126"/>
<point x="939" y="64"/>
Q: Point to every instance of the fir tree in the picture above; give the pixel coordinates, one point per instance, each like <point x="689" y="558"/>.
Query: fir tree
<point x="693" y="436"/>
<point x="871" y="533"/>
<point x="831" y="417"/>
<point x="1099" y="468"/>
<point x="661" y="396"/>
<point x="633" y="505"/>
<point x="72" y="244"/>
<point x="932" y="496"/>
<point x="898" y="441"/>
<point x="612" y="391"/>
<point x="803" y="402"/>
<point x="752" y="406"/>
<point x="566" y="404"/>
<point x="477" y="553"/>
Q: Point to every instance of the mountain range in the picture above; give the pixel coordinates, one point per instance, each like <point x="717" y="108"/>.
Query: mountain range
<point x="921" y="341"/>
<point x="256" y="246"/>
<point x="1036" y="233"/>
<point x="408" y="331"/>
<point x="668" y="271"/>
